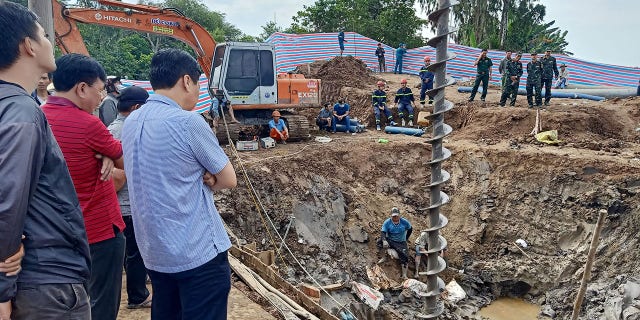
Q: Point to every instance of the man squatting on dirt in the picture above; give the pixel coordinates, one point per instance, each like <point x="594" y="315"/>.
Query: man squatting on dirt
<point x="395" y="234"/>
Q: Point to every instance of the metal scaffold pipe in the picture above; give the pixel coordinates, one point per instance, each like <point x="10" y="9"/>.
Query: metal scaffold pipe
<point x="433" y="306"/>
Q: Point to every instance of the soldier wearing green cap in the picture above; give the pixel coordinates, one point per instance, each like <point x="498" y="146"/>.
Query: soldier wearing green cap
<point x="483" y="65"/>
<point x="534" y="73"/>
<point x="512" y="81"/>
<point x="549" y="71"/>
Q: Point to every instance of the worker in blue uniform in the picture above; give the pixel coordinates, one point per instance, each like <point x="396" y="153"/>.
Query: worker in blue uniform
<point x="426" y="82"/>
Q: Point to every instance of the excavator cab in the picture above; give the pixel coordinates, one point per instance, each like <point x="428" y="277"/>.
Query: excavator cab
<point x="245" y="73"/>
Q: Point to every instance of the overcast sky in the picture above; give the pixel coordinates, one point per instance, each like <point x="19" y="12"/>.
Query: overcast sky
<point x="599" y="30"/>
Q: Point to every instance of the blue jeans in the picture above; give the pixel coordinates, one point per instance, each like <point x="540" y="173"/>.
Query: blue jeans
<point x="404" y="106"/>
<point x="346" y="121"/>
<point x="561" y="83"/>
<point x="385" y="110"/>
<point x="398" y="66"/>
<point x="423" y="91"/>
<point x="197" y="294"/>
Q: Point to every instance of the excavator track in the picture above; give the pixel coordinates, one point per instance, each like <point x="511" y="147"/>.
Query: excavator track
<point x="298" y="127"/>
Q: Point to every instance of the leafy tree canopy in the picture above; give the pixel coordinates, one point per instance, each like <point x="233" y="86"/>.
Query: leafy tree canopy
<point x="516" y="25"/>
<point x="391" y="21"/>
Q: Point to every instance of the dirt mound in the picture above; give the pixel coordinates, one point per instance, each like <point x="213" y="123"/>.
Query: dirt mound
<point x="345" y="71"/>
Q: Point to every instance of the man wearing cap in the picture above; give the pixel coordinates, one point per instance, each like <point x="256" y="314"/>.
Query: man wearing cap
<point x="502" y="68"/>
<point x="513" y="74"/>
<point x="130" y="99"/>
<point x="341" y="40"/>
<point x="277" y="128"/>
<point x="379" y="100"/>
<point x="549" y="70"/>
<point x="426" y="78"/>
<point x="483" y="66"/>
<point x="394" y="234"/>
<point x="534" y="71"/>
<point x="380" y="54"/>
<point x="563" y="76"/>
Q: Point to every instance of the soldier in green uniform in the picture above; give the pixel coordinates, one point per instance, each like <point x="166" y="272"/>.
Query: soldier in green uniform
<point x="483" y="65"/>
<point x="502" y="68"/>
<point x="549" y="71"/>
<point x="512" y="74"/>
<point x="534" y="73"/>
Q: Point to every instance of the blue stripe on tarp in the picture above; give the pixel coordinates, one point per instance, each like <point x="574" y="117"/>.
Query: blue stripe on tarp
<point x="295" y="49"/>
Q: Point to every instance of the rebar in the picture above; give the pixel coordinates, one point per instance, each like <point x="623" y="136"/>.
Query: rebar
<point x="434" y="306"/>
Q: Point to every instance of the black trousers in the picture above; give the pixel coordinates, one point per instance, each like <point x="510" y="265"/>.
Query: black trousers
<point x="201" y="293"/>
<point x="134" y="266"/>
<point x="531" y="88"/>
<point x="106" y="277"/>
<point x="400" y="247"/>
<point x="547" y="83"/>
<point x="51" y="302"/>
<point x="484" y="78"/>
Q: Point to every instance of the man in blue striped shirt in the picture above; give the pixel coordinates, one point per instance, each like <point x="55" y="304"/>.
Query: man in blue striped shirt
<point x="173" y="164"/>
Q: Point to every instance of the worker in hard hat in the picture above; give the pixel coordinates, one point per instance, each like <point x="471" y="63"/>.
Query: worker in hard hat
<point x="379" y="100"/>
<point x="277" y="128"/>
<point x="394" y="234"/>
<point x="405" y="102"/>
<point x="426" y="78"/>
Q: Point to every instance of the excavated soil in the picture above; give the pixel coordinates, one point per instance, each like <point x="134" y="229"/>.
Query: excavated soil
<point x="504" y="186"/>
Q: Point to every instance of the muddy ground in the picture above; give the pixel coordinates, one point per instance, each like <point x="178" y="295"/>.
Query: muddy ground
<point x="504" y="186"/>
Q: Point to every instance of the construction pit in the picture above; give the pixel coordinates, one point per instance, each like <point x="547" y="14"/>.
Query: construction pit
<point x="332" y="197"/>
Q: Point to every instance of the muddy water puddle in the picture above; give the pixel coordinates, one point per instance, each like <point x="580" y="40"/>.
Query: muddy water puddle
<point x="510" y="309"/>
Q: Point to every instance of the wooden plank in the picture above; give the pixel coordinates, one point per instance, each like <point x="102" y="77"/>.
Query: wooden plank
<point x="276" y="281"/>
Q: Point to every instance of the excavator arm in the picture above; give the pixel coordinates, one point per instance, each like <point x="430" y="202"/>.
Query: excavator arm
<point x="136" y="17"/>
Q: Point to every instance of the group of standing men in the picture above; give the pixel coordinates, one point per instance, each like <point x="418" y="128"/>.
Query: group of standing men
<point x="540" y="72"/>
<point x="61" y="226"/>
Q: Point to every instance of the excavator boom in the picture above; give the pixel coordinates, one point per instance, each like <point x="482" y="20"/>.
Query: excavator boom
<point x="141" y="18"/>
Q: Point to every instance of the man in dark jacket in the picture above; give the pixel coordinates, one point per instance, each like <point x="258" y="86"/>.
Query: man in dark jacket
<point x="426" y="78"/>
<point x="381" y="62"/>
<point x="405" y="102"/>
<point x="512" y="82"/>
<point x="379" y="101"/>
<point x="38" y="197"/>
<point x="549" y="71"/>
<point x="534" y="72"/>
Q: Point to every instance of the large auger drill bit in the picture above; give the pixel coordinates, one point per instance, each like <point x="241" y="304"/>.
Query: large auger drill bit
<point x="433" y="306"/>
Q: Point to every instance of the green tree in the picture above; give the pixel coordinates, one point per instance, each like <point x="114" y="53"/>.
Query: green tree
<point x="503" y="24"/>
<point x="391" y="21"/>
<point x="268" y="29"/>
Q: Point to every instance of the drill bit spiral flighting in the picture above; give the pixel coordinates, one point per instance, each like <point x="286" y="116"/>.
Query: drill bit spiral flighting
<point x="433" y="307"/>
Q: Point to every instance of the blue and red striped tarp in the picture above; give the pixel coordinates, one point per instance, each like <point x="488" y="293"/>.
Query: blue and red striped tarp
<point x="295" y="49"/>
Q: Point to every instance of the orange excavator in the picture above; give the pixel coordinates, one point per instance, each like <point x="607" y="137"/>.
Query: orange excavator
<point x="243" y="73"/>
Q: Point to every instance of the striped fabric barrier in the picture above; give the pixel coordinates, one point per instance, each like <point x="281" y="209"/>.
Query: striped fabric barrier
<point x="204" y="101"/>
<point x="296" y="49"/>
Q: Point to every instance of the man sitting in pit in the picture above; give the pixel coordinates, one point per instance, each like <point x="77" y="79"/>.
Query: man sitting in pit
<point x="324" y="117"/>
<point x="422" y="245"/>
<point x="394" y="234"/>
<point x="277" y="128"/>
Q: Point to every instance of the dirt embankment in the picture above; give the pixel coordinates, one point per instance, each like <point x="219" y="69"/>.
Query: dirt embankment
<point x="505" y="186"/>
